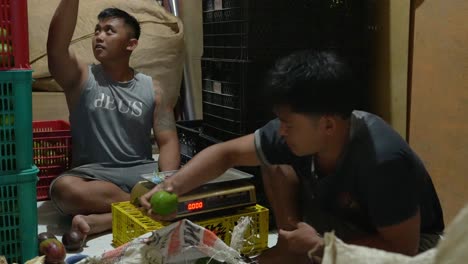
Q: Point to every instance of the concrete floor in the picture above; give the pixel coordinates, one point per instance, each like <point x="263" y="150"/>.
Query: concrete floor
<point x="49" y="219"/>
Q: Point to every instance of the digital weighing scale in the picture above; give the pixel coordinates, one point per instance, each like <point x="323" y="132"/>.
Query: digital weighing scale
<point x="230" y="190"/>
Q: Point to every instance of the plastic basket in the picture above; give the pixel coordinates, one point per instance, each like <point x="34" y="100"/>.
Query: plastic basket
<point x="189" y="138"/>
<point x="15" y="121"/>
<point x="188" y="133"/>
<point x="52" y="152"/>
<point x="232" y="98"/>
<point x="129" y="223"/>
<point x="18" y="216"/>
<point x="184" y="159"/>
<point x="246" y="29"/>
<point x="14" y="49"/>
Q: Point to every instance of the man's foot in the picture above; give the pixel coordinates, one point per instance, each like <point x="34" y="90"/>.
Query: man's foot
<point x="92" y="224"/>
<point x="80" y="224"/>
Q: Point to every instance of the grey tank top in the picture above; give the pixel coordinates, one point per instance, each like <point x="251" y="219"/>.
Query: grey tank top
<point x="112" y="121"/>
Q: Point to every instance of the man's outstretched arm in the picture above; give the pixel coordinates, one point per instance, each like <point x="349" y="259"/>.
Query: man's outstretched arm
<point x="64" y="66"/>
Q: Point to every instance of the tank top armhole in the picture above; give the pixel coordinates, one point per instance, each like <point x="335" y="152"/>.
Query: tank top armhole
<point x="152" y="91"/>
<point x="86" y="87"/>
<point x="89" y="83"/>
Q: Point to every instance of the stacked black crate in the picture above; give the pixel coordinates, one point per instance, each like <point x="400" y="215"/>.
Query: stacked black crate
<point x="232" y="103"/>
<point x="191" y="140"/>
<point x="243" y="38"/>
<point x="231" y="78"/>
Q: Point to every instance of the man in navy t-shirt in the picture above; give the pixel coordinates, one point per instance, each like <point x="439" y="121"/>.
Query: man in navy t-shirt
<point x="326" y="167"/>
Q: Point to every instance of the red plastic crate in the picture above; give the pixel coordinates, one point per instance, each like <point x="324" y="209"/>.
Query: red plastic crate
<point x="14" y="48"/>
<point x="52" y="152"/>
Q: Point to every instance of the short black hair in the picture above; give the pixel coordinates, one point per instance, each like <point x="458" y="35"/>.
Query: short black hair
<point x="128" y="19"/>
<point x="313" y="82"/>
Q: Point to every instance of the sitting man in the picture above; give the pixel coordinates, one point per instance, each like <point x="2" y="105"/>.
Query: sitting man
<point x="326" y="166"/>
<point x="112" y="111"/>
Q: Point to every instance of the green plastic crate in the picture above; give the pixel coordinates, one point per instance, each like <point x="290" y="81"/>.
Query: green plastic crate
<point x="15" y="121"/>
<point x="18" y="216"/>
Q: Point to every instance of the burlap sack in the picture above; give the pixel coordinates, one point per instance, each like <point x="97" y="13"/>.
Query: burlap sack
<point x="160" y="52"/>
<point x="338" y="252"/>
<point x="452" y="249"/>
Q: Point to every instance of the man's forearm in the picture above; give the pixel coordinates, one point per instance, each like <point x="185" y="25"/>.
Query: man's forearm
<point x="169" y="157"/>
<point x="205" y="166"/>
<point x="213" y="162"/>
<point x="62" y="26"/>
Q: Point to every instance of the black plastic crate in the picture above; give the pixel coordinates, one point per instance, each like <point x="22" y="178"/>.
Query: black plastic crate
<point x="189" y="139"/>
<point x="184" y="159"/>
<point x="226" y="129"/>
<point x="234" y="10"/>
<point x="224" y="135"/>
<point x="219" y="134"/>
<point x="188" y="133"/>
<point x="257" y="29"/>
<point x="203" y="142"/>
<point x="232" y="96"/>
<point x="225" y="112"/>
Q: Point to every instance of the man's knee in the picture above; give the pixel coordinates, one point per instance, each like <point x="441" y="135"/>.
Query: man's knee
<point x="66" y="188"/>
<point x="281" y="185"/>
<point x="279" y="177"/>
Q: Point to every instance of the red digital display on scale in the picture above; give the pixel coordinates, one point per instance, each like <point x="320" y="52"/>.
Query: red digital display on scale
<point x="195" y="205"/>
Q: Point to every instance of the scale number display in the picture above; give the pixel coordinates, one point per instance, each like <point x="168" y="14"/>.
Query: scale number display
<point x="195" y="205"/>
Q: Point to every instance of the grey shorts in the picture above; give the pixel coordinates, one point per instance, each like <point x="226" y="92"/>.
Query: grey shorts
<point x="124" y="176"/>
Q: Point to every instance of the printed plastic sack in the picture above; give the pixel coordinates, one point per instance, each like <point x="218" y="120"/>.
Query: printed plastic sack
<point x="181" y="242"/>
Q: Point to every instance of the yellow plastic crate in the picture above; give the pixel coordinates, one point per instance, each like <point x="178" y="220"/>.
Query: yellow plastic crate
<point x="129" y="222"/>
